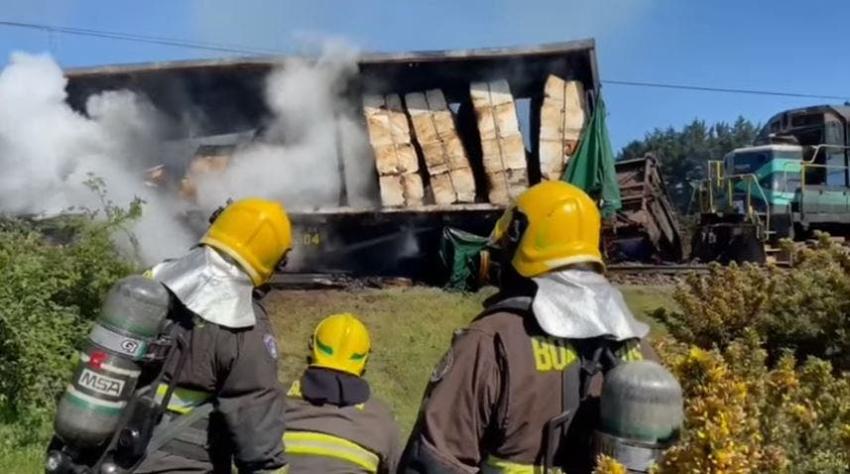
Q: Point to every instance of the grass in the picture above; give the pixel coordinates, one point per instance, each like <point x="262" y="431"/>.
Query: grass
<point x="644" y="300"/>
<point x="411" y="328"/>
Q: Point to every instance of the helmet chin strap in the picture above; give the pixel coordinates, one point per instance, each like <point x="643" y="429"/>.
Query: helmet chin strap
<point x="281" y="264"/>
<point x="219" y="210"/>
<point x="505" y="276"/>
<point x="512" y="283"/>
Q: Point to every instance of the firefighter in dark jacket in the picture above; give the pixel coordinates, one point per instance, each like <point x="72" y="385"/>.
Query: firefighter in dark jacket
<point x="228" y="406"/>
<point x="334" y="424"/>
<point x="515" y="392"/>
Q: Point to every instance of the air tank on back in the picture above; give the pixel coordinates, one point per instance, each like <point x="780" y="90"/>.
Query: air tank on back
<point x="110" y="365"/>
<point x="641" y="414"/>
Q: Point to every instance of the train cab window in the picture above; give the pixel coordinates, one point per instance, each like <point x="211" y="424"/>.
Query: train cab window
<point x="810" y="137"/>
<point x="749" y="162"/>
<point x="787" y="182"/>
<point x="802" y="120"/>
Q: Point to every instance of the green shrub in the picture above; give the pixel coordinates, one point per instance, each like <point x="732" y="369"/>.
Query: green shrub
<point x="49" y="296"/>
<point x="54" y="274"/>
<point x="805" y="309"/>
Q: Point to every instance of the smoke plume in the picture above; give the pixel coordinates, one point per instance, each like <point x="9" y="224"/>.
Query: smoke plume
<point x="47" y="151"/>
<point x="297" y="158"/>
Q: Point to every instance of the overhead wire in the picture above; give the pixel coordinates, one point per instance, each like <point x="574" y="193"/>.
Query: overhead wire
<point x="160" y="40"/>
<point x="724" y="90"/>
<point x="241" y="49"/>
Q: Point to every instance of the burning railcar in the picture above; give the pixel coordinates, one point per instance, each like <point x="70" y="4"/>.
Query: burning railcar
<point x="452" y="136"/>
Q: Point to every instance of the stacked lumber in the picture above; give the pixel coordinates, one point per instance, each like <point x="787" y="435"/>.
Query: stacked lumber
<point x="156" y="176"/>
<point x="503" y="152"/>
<point x="561" y="120"/>
<point x="448" y="166"/>
<point x="206" y="161"/>
<point x="395" y="157"/>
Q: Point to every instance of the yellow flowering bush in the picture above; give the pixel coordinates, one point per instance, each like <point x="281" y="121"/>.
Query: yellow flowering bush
<point x="762" y="355"/>
<point x="607" y="465"/>
<point x="743" y="416"/>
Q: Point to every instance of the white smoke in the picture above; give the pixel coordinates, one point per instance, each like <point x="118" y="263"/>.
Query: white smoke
<point x="297" y="161"/>
<point x="47" y="151"/>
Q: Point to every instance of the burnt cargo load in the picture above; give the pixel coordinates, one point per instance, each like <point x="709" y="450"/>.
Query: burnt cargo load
<point x="646" y="228"/>
<point x="455" y="135"/>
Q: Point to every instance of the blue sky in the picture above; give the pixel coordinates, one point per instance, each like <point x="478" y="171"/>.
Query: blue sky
<point x="779" y="45"/>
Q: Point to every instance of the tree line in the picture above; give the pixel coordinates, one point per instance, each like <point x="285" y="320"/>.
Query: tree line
<point x="682" y="154"/>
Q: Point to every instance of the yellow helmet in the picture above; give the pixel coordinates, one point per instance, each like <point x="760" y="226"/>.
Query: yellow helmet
<point x="254" y="232"/>
<point x="341" y="342"/>
<point x="552" y="224"/>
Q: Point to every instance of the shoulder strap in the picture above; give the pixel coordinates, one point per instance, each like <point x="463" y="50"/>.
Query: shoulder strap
<point x="556" y="428"/>
<point x="595" y="355"/>
<point x="176" y="426"/>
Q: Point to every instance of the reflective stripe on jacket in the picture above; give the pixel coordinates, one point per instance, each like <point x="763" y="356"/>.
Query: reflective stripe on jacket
<point x="340" y="439"/>
<point x="494" y="465"/>
<point x="183" y="400"/>
<point x="305" y="443"/>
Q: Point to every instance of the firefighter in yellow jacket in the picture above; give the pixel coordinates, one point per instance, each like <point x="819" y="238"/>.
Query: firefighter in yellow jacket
<point x="514" y="393"/>
<point x="334" y="424"/>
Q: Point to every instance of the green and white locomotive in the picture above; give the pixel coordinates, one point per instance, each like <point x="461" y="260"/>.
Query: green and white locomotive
<point x="795" y="179"/>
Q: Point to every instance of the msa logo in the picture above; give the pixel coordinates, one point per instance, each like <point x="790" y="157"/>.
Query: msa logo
<point x="100" y="383"/>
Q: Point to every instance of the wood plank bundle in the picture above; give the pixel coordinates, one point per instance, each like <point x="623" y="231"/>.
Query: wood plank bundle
<point x="562" y="116"/>
<point x="206" y="160"/>
<point x="395" y="157"/>
<point x="503" y="152"/>
<point x="433" y="123"/>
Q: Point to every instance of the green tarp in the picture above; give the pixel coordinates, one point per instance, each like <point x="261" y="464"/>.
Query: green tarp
<point x="592" y="166"/>
<point x="460" y="251"/>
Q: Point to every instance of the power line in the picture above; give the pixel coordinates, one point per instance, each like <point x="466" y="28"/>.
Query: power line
<point x="240" y="49"/>
<point x="724" y="90"/>
<point x="160" y="40"/>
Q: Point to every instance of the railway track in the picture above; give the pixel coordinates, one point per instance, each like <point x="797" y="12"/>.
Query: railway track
<point x="641" y="269"/>
<point x="628" y="271"/>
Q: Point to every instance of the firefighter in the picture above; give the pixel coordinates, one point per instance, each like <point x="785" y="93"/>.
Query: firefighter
<point x="515" y="392"/>
<point x="227" y="405"/>
<point x="333" y="422"/>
